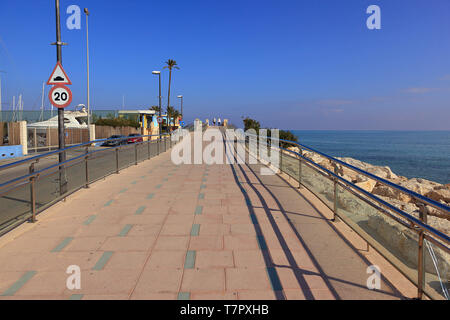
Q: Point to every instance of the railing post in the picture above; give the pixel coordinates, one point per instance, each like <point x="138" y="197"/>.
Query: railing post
<point x="421" y="254"/>
<point x="35" y="140"/>
<point x="157" y="142"/>
<point x="335" y="202"/>
<point x="86" y="167"/>
<point x="117" y="160"/>
<point x="135" y="154"/>
<point x="281" y="160"/>
<point x="300" y="169"/>
<point x="148" y="147"/>
<point x="32" y="194"/>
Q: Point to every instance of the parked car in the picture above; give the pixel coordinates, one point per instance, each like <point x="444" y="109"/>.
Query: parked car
<point x="134" y="137"/>
<point x="112" y="143"/>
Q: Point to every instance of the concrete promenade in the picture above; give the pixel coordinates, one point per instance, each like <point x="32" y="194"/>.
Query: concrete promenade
<point x="161" y="231"/>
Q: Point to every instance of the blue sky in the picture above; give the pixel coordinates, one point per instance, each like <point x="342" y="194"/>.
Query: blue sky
<point x="303" y="64"/>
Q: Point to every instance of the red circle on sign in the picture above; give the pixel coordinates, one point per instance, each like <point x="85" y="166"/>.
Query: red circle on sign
<point x="160" y="119"/>
<point x="56" y="96"/>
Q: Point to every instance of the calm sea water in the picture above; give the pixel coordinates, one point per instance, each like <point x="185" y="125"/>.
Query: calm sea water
<point x="413" y="154"/>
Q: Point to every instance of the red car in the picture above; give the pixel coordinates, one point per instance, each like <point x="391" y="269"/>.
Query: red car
<point x="134" y="137"/>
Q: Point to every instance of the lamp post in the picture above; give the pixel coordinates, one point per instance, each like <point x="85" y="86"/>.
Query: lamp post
<point x="159" y="76"/>
<point x="181" y="97"/>
<point x="86" y="11"/>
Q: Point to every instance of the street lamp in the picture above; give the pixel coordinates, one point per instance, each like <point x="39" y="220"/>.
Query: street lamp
<point x="181" y="97"/>
<point x="86" y="11"/>
<point x="159" y="76"/>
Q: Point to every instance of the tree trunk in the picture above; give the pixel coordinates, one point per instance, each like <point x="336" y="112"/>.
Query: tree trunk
<point x="168" y="95"/>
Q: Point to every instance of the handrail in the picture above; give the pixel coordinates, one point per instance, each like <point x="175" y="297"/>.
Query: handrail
<point x="19" y="162"/>
<point x="411" y="193"/>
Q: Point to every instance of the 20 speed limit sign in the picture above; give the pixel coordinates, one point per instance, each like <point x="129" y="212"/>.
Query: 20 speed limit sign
<point x="60" y="96"/>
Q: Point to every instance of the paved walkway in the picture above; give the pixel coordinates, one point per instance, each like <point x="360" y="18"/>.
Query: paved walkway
<point x="161" y="231"/>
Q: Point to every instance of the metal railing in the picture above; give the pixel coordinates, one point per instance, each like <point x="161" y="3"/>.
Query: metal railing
<point x="34" y="185"/>
<point x="419" y="251"/>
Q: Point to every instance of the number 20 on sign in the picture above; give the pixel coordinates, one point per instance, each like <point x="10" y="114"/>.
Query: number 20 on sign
<point x="60" y="96"/>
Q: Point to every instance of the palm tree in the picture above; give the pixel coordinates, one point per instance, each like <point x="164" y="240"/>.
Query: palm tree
<point x="155" y="108"/>
<point x="170" y="64"/>
<point x="172" y="113"/>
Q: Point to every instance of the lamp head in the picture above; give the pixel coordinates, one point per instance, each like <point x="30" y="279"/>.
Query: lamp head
<point x="156" y="72"/>
<point x="86" y="11"/>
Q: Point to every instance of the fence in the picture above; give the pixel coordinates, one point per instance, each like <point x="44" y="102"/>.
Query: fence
<point x="9" y="133"/>
<point x="47" y="138"/>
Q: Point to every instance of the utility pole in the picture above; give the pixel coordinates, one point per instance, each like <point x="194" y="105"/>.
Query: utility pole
<point x="1" y="116"/>
<point x="61" y="133"/>
<point x="86" y="11"/>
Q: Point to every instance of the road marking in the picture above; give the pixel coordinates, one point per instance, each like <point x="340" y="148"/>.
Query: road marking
<point x="158" y="186"/>
<point x="76" y="297"/>
<point x="165" y="179"/>
<point x="198" y="210"/>
<point x="150" y="196"/>
<point x="195" y="229"/>
<point x="134" y="182"/>
<point x="19" y="283"/>
<point x="62" y="245"/>
<point x="125" y="230"/>
<point x="103" y="260"/>
<point x="189" y="263"/>
<point x="184" y="296"/>
<point x="89" y="220"/>
<point x="140" y="210"/>
<point x="123" y="190"/>
<point x="201" y="196"/>
<point x="202" y="186"/>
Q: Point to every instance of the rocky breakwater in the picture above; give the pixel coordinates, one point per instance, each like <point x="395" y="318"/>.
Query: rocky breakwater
<point x="400" y="240"/>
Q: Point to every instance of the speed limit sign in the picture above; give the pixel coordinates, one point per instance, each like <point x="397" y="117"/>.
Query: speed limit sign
<point x="60" y="96"/>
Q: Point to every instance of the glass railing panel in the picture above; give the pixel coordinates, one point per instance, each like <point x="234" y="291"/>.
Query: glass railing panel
<point x="289" y="165"/>
<point x="15" y="204"/>
<point x="101" y="164"/>
<point x="395" y="241"/>
<point x="76" y="175"/>
<point x="126" y="156"/>
<point x="47" y="188"/>
<point x="321" y="186"/>
<point x="437" y="271"/>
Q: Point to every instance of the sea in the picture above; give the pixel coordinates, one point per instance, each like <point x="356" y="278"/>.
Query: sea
<point x="412" y="154"/>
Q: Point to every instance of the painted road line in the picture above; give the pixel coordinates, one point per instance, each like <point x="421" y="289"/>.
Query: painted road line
<point x="150" y="196"/>
<point x="62" y="245"/>
<point x="125" y="230"/>
<point x="184" y="296"/>
<point x="195" y="229"/>
<point x="134" y="182"/>
<point x="140" y="210"/>
<point x="123" y="190"/>
<point x="143" y="177"/>
<point x="19" y="283"/>
<point x="204" y="179"/>
<point x="189" y="263"/>
<point x="103" y="260"/>
<point x="89" y="220"/>
<point x="198" y="210"/>
<point x="108" y="203"/>
<point x="202" y="186"/>
<point x="76" y="297"/>
<point x="158" y="186"/>
<point x="201" y="196"/>
<point x="165" y="179"/>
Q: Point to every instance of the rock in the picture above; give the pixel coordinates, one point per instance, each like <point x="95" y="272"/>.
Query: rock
<point x="439" y="195"/>
<point x="367" y="185"/>
<point x="382" y="172"/>
<point x="385" y="191"/>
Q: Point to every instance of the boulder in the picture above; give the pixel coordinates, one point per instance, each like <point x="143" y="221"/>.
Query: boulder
<point x="367" y="185"/>
<point x="439" y="195"/>
<point x="385" y="191"/>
